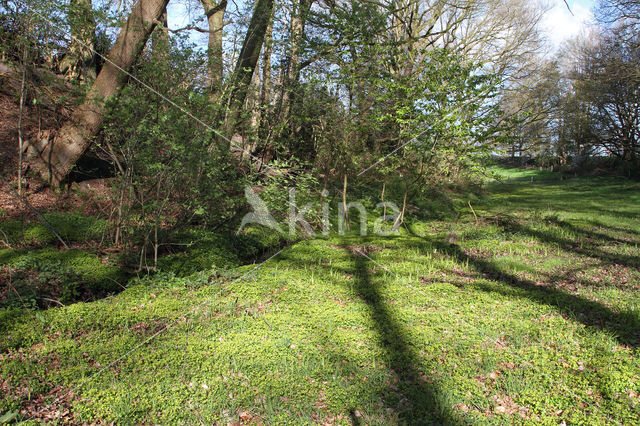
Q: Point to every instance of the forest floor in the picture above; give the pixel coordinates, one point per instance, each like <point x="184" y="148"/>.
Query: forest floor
<point x="526" y="311"/>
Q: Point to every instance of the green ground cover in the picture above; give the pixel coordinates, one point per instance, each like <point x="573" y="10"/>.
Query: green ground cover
<point x="526" y="313"/>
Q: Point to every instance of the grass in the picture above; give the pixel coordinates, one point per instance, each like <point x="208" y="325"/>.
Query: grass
<point x="35" y="273"/>
<point x="529" y="314"/>
<point x="71" y="227"/>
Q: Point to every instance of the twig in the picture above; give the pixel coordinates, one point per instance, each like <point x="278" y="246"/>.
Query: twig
<point x="19" y="297"/>
<point x="111" y="279"/>
<point x="200" y="30"/>
<point x="473" y="211"/>
<point x="52" y="300"/>
<point x="570" y="11"/>
<point x="20" y="141"/>
<point x="6" y="239"/>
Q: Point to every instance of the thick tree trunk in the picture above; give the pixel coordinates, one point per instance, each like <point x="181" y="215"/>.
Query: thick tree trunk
<point x="265" y="91"/>
<point x="247" y="61"/>
<point x="214" y="10"/>
<point x="54" y="159"/>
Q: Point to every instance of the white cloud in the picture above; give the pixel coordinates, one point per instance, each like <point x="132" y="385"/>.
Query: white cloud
<point x="559" y="25"/>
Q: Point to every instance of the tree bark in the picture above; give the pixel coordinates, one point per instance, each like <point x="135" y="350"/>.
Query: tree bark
<point x="400" y="219"/>
<point x="265" y="88"/>
<point x="54" y="159"/>
<point x="266" y="93"/>
<point x="291" y="73"/>
<point x="247" y="61"/>
<point x="344" y="202"/>
<point x="214" y="10"/>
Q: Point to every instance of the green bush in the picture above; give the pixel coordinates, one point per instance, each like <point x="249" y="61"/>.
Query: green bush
<point x="205" y="251"/>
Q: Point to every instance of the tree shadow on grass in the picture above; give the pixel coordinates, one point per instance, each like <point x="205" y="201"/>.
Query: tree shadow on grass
<point x="624" y="325"/>
<point x="418" y="402"/>
<point x="588" y="244"/>
<point x="590" y="234"/>
<point x="610" y="228"/>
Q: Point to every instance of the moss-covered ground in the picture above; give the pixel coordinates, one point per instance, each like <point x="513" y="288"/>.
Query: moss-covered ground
<point x="526" y="312"/>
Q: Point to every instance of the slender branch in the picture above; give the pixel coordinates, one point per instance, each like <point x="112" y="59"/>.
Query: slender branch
<point x="570" y="11"/>
<point x="220" y="6"/>
<point x="20" y="140"/>
<point x="201" y="30"/>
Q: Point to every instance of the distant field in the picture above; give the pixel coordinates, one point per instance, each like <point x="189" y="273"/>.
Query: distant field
<point x="510" y="174"/>
<point x="527" y="311"/>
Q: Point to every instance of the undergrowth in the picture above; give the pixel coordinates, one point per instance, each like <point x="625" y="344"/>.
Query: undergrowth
<point x="525" y="312"/>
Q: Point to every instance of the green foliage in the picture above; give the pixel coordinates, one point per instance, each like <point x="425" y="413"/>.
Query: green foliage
<point x="203" y="251"/>
<point x="11" y="231"/>
<point x="200" y="250"/>
<point x="523" y="174"/>
<point x="446" y="117"/>
<point x="174" y="169"/>
<point x="527" y="315"/>
<point x="77" y="227"/>
<point x="72" y="227"/>
<point x="276" y="185"/>
<point x="488" y="312"/>
<point x="65" y="276"/>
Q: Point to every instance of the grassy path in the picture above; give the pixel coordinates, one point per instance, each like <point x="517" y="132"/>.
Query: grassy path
<point x="529" y="314"/>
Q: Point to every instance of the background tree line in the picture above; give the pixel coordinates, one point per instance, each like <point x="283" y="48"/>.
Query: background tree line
<point x="584" y="104"/>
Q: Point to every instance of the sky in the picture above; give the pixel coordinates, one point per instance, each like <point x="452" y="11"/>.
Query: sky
<point x="559" y="25"/>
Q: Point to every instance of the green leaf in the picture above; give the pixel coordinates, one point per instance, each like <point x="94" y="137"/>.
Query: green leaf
<point x="8" y="416"/>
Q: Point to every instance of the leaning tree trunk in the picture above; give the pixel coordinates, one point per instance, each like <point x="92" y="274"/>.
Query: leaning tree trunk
<point x="53" y="159"/>
<point x="247" y="61"/>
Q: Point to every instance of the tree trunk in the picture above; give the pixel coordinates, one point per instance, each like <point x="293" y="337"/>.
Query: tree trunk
<point x="78" y="60"/>
<point x="265" y="89"/>
<point x="291" y="73"/>
<point x="247" y="61"/>
<point x="55" y="159"/>
<point x="215" y="17"/>
<point x="384" y="207"/>
<point x="344" y="202"/>
<point x="400" y="219"/>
